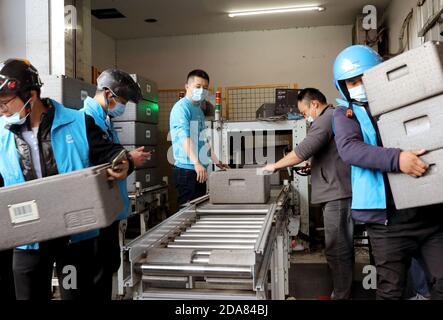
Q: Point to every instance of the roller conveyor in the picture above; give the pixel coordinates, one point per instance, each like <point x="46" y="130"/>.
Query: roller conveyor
<point x="226" y="251"/>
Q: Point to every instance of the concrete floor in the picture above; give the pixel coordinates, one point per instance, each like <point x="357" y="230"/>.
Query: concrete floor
<point x="310" y="279"/>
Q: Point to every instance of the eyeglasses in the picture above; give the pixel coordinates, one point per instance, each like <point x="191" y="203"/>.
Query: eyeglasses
<point x="4" y="105"/>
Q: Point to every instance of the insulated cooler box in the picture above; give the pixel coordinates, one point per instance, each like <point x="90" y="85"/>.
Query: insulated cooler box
<point x="146" y="178"/>
<point x="145" y="111"/>
<point x="237" y="186"/>
<point x="58" y="206"/>
<point x="408" y="78"/>
<point x="412" y="192"/>
<point x="152" y="161"/>
<point x="415" y="127"/>
<point x="137" y="133"/>
<point x="148" y="87"/>
<point x="69" y="92"/>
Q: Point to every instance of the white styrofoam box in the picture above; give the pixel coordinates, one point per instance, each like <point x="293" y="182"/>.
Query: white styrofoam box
<point x="148" y="87"/>
<point x="69" y="92"/>
<point x="409" y="192"/>
<point x="415" y="127"/>
<point x="152" y="160"/>
<point x="145" y="111"/>
<point x="58" y="206"/>
<point x="137" y="133"/>
<point x="239" y="186"/>
<point x="410" y="77"/>
<point x="145" y="177"/>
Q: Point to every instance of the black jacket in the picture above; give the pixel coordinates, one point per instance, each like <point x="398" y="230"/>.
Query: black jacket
<point x="101" y="149"/>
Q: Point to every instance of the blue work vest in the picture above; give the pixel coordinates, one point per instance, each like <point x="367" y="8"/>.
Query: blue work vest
<point x="368" y="185"/>
<point x="92" y="108"/>
<point x="70" y="147"/>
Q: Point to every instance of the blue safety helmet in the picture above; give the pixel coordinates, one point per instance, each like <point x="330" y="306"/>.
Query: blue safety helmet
<point x="352" y="62"/>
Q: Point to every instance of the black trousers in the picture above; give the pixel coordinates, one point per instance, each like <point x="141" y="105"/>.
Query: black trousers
<point x="107" y="261"/>
<point x="33" y="270"/>
<point x="7" y="289"/>
<point x="339" y="245"/>
<point x="187" y="186"/>
<point x="410" y="233"/>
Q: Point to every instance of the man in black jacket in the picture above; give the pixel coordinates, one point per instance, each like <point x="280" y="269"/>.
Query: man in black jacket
<point x="49" y="139"/>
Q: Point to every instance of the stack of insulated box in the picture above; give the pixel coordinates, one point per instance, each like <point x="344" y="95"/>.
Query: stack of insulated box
<point x="138" y="127"/>
<point x="67" y="91"/>
<point x="406" y="95"/>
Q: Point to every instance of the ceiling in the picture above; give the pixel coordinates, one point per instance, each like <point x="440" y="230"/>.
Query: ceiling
<point x="184" y="17"/>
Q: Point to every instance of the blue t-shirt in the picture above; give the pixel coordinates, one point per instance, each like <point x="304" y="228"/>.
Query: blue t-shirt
<point x="187" y="120"/>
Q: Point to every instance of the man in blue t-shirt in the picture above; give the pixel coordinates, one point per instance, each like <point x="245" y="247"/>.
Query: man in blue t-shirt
<point x="189" y="143"/>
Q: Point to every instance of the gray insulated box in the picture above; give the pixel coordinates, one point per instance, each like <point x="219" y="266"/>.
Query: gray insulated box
<point x="410" y="77"/>
<point x="152" y="161"/>
<point x="70" y="92"/>
<point x="145" y="178"/>
<point x="145" y="111"/>
<point x="239" y="186"/>
<point x="137" y="133"/>
<point x="411" y="192"/>
<point x="148" y="87"/>
<point x="57" y="206"/>
<point x="418" y="126"/>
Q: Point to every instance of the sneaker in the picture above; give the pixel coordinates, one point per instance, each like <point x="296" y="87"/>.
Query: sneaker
<point x="419" y="297"/>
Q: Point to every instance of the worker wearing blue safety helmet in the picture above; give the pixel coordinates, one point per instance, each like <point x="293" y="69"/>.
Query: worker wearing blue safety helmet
<point x="396" y="235"/>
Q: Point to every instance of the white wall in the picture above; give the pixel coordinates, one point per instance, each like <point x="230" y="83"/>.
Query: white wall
<point x="12" y="29"/>
<point x="304" y="56"/>
<point x="103" y="50"/>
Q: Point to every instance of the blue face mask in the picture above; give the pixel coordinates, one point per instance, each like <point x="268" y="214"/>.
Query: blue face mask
<point x="15" y="118"/>
<point x="199" y="94"/>
<point x="358" y="94"/>
<point x="117" y="111"/>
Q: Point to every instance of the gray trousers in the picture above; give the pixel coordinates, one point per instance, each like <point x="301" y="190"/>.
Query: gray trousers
<point x="339" y="234"/>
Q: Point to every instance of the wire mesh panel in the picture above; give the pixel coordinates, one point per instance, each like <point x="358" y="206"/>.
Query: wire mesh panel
<point x="242" y="103"/>
<point x="166" y="100"/>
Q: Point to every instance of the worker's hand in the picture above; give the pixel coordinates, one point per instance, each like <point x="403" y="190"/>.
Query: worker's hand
<point x="140" y="156"/>
<point x="411" y="164"/>
<point x="222" y="166"/>
<point x="270" y="168"/>
<point x="120" y="172"/>
<point x="305" y="171"/>
<point x="202" y="175"/>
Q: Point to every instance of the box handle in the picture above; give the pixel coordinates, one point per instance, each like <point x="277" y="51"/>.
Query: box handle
<point x="118" y="129"/>
<point x="148" y="134"/>
<point x="398" y="73"/>
<point x="237" y="182"/>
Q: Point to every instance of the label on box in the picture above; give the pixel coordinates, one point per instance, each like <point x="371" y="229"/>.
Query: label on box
<point x="24" y="212"/>
<point x="148" y="178"/>
<point x="148" y="88"/>
<point x="148" y="112"/>
<point x="148" y="134"/>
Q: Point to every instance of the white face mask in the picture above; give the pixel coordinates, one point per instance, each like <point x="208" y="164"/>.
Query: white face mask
<point x="15" y="118"/>
<point x="310" y="119"/>
<point x="358" y="94"/>
<point x="199" y="94"/>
